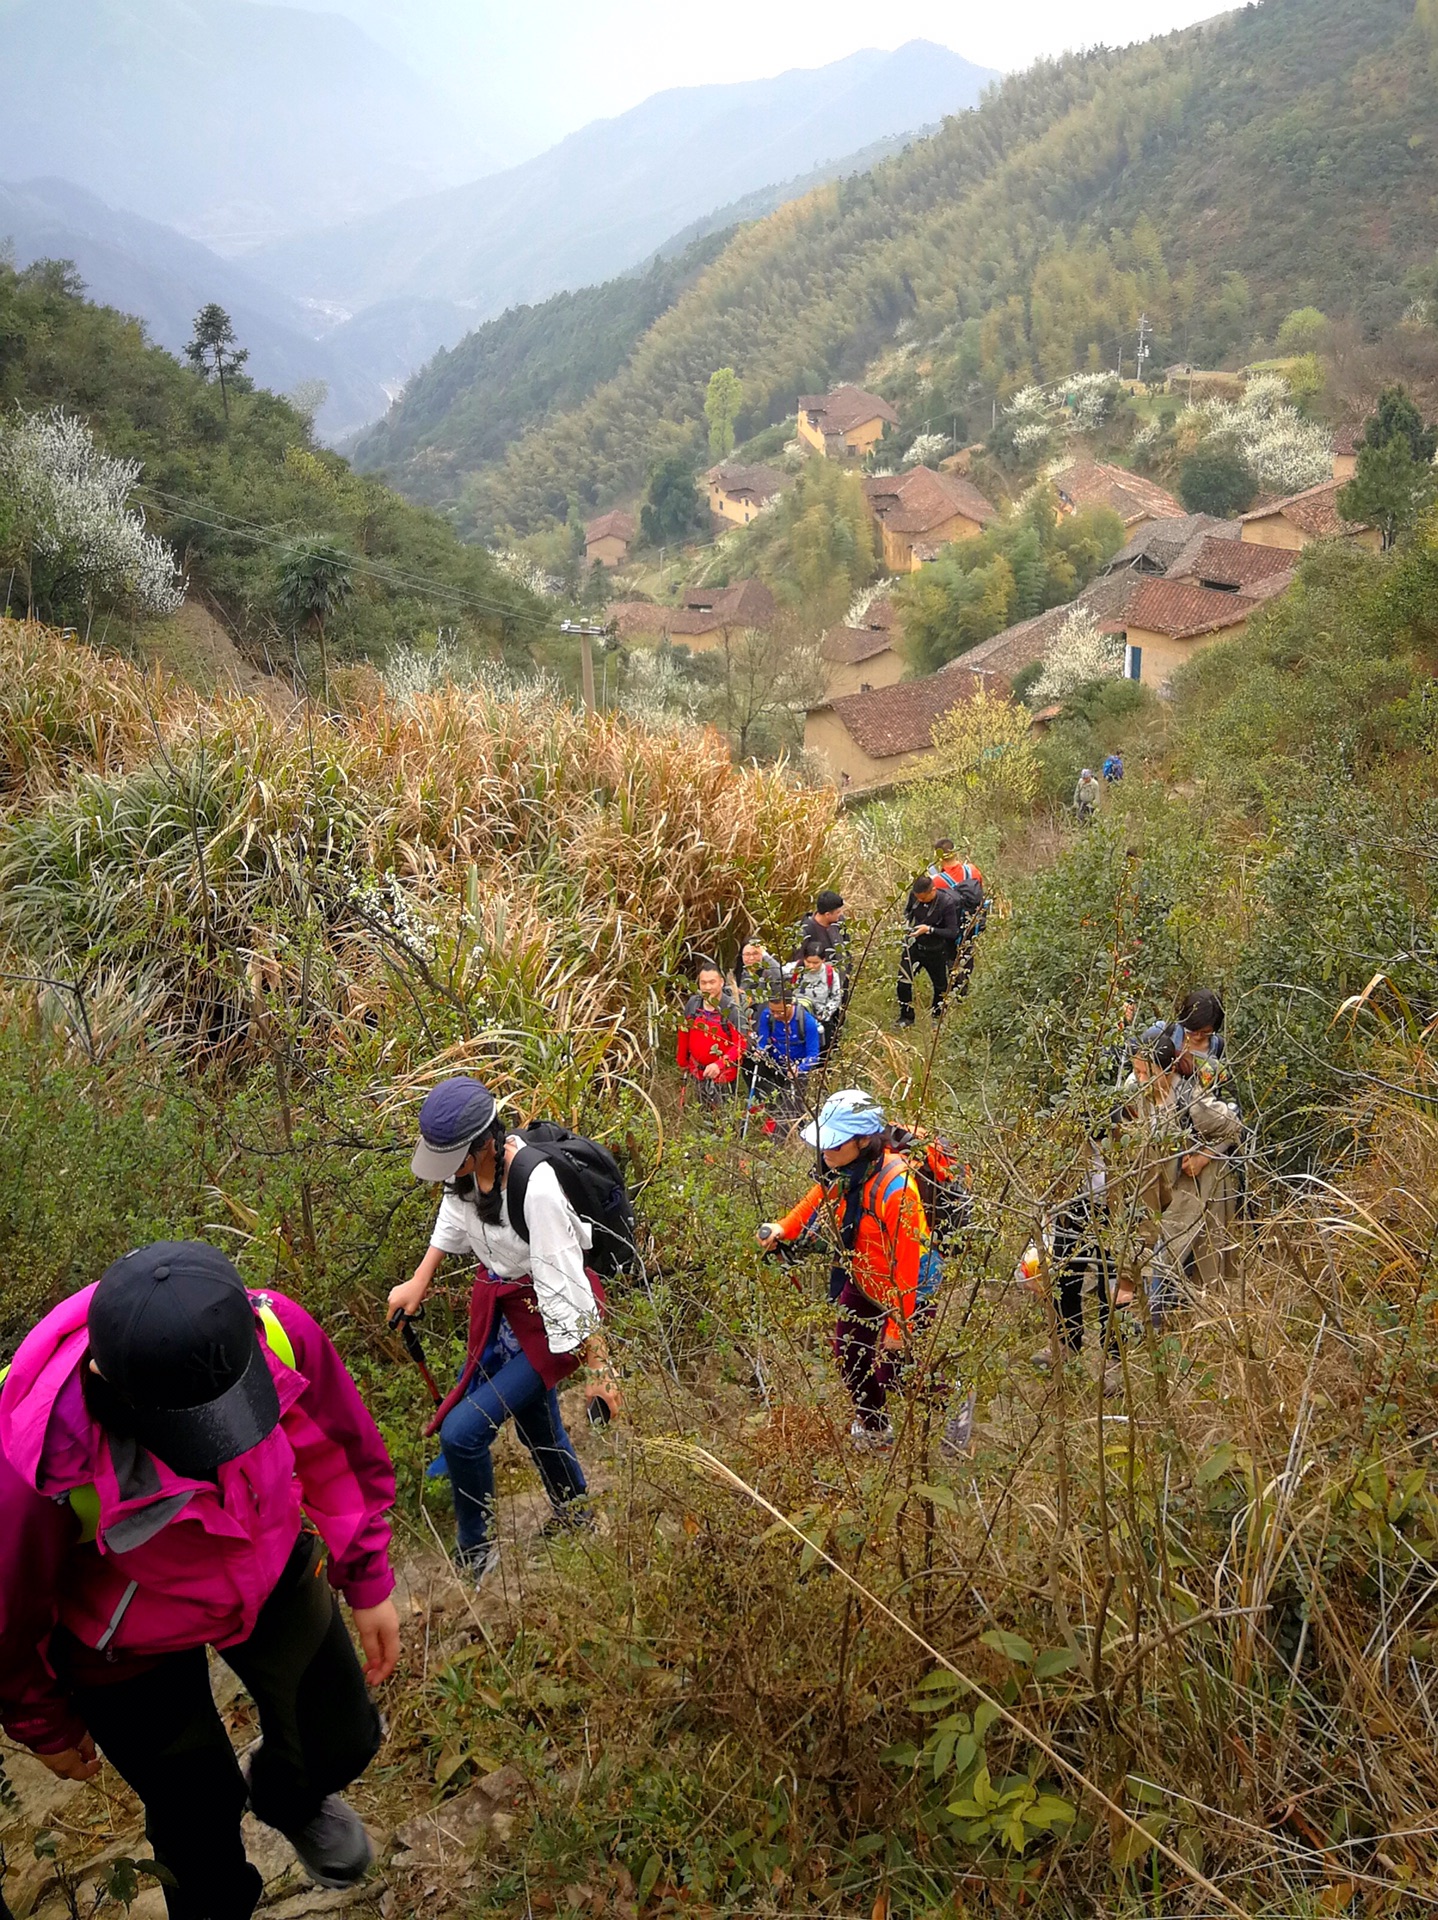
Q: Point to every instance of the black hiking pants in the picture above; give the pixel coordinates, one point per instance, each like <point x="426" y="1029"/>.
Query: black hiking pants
<point x="160" y="1730"/>
<point x="933" y="957"/>
<point x="1077" y="1246"/>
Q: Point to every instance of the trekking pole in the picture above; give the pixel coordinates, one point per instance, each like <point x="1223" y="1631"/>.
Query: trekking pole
<point x="749" y="1103"/>
<point x="403" y="1323"/>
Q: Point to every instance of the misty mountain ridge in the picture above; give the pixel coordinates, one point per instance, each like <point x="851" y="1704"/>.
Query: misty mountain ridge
<point x="231" y="120"/>
<point x="608" y="196"/>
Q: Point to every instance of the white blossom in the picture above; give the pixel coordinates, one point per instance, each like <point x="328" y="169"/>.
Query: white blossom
<point x="928" y="446"/>
<point x="1080" y="653"/>
<point x="1094" y="396"/>
<point x="73" y="505"/>
<point x="862" y="601"/>
<point x="1285" y="451"/>
<point x="527" y="572"/>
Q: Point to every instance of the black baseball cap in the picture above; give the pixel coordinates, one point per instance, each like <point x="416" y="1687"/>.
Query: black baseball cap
<point x="454" y="1115"/>
<point x="172" y="1331"/>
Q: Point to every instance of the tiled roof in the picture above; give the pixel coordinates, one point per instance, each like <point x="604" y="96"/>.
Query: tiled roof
<point x="1021" y="645"/>
<point x="1091" y="483"/>
<point x="1314" y="512"/>
<point x="760" y="483"/>
<point x="1346" y="439"/>
<point x="852" y="646"/>
<point x="920" y="500"/>
<point x="846" y="408"/>
<point x="617" y="525"/>
<point x="1233" y="563"/>
<point x="1155" y="547"/>
<point x="1183" y="610"/>
<point x="748" y="603"/>
<point x="900" y="719"/>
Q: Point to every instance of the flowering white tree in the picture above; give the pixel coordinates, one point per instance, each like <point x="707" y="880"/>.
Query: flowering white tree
<point x="1093" y="396"/>
<point x="76" y="537"/>
<point x="927" y="447"/>
<point x="1284" y="450"/>
<point x="1080" y="653"/>
<point x="1030" y="419"/>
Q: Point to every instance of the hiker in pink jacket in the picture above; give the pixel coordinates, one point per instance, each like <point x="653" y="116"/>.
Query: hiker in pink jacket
<point x="181" y="1462"/>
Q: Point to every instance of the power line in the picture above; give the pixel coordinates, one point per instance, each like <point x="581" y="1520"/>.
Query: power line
<point x="196" y="511"/>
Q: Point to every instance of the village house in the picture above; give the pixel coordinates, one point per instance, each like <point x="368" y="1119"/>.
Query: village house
<point x="608" y="539"/>
<point x="703" y="617"/>
<point x="1168" y="621"/>
<point x="1230" y="565"/>
<point x="846" y="424"/>
<point x="1304" y="517"/>
<point x="860" y="658"/>
<point x="1025" y="643"/>
<point x="1136" y="501"/>
<point x="736" y="494"/>
<point x="869" y="739"/>
<point x="920" y="511"/>
<point x="1158" y="543"/>
<point x="1345" y="452"/>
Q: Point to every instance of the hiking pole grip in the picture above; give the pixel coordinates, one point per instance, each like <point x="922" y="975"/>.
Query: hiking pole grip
<point x="403" y="1323"/>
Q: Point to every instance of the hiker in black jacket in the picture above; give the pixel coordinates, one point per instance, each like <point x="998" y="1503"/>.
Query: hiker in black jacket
<point x="826" y="925"/>
<point x="931" y="945"/>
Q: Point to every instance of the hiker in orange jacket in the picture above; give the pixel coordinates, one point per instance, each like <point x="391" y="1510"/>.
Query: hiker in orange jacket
<point x="882" y="1236"/>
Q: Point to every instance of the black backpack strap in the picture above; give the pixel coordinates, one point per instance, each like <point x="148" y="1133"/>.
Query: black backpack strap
<point x="516" y="1186"/>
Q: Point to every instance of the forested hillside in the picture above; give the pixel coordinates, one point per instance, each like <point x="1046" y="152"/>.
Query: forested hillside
<point x="466" y="406"/>
<point x="1214" y="179"/>
<point x="234" y="482"/>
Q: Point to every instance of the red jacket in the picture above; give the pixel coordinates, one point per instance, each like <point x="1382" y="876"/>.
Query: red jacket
<point x="710" y="1034"/>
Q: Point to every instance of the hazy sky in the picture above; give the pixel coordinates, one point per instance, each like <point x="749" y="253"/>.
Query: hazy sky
<point x="543" y="68"/>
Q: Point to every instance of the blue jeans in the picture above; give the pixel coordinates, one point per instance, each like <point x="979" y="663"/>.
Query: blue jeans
<point x="514" y="1390"/>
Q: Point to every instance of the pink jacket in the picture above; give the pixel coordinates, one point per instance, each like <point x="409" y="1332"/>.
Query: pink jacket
<point x="176" y="1563"/>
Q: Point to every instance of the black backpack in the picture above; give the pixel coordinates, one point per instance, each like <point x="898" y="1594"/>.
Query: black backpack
<point x="590" y="1180"/>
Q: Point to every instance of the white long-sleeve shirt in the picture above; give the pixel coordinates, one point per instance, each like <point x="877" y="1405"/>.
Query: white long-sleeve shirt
<point x="552" y="1256"/>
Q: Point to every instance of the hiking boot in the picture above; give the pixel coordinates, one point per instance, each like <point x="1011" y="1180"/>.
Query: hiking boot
<point x="904" y="1020"/>
<point x="575" y="1516"/>
<point x="334" y="1849"/>
<point x="871" y="1439"/>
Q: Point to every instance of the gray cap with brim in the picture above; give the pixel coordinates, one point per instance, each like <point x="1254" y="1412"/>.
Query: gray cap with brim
<point x="432" y="1164"/>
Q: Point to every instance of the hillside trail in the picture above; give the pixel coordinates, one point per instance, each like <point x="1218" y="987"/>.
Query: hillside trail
<point x="425" y="1849"/>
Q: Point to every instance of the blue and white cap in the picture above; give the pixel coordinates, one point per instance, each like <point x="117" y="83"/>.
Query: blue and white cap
<point x="454" y="1115"/>
<point x="847" y="1115"/>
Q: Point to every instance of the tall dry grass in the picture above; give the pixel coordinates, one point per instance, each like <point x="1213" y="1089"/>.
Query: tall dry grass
<point x="523" y="867"/>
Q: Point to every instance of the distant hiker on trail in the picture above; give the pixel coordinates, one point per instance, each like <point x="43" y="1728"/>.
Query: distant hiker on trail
<point x="930" y="946"/>
<point x="815" y="983"/>
<point x="711" y="1037"/>
<point x="786" y="1044"/>
<point x="880" y="1241"/>
<point x="186" y="1464"/>
<point x="757" y="978"/>
<point x="967" y="885"/>
<point x="1087" y="795"/>
<point x="1113" y="768"/>
<point x="535" y="1303"/>
<point x="826" y="924"/>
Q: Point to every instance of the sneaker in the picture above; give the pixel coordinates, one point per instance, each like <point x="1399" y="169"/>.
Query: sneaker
<point x="479" y="1563"/>
<point x="871" y="1439"/>
<point x="958" y="1432"/>
<point x="334" y="1849"/>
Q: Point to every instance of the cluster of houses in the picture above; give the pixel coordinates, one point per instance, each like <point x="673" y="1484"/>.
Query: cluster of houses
<point x="1181" y="582"/>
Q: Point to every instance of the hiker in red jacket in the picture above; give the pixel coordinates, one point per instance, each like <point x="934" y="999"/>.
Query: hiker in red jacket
<point x="711" y="1037"/>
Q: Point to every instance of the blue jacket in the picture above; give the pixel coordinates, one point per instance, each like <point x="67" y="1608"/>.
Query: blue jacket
<point x="792" y="1043"/>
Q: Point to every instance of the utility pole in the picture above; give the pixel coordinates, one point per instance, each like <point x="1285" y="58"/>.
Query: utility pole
<point x="1144" y="331"/>
<point x="585" y="633"/>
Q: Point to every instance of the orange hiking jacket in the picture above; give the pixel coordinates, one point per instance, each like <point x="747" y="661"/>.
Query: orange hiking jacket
<point x="892" y="1240"/>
